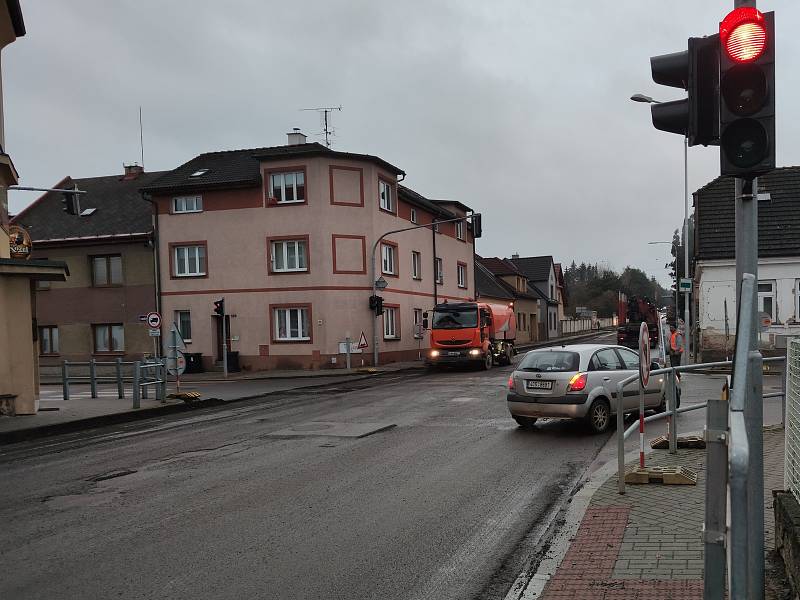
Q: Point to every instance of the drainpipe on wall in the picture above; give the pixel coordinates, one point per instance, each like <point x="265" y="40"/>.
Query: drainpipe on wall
<point x="156" y="265"/>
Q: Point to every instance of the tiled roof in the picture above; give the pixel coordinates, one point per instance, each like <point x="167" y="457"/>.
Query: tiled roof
<point x="120" y="209"/>
<point x="408" y="195"/>
<point x="500" y="266"/>
<point x="535" y="268"/>
<point x="778" y="218"/>
<point x="488" y="286"/>
<point x="241" y="168"/>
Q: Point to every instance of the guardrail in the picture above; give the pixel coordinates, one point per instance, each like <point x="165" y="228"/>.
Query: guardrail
<point x="139" y="377"/>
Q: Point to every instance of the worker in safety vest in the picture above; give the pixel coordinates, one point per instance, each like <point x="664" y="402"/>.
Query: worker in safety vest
<point x="675" y="346"/>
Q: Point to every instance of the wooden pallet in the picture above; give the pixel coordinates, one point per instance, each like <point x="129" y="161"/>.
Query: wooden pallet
<point x="186" y="396"/>
<point x="687" y="441"/>
<point x="664" y="475"/>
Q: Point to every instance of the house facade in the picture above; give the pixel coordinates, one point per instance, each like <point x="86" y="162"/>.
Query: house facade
<point x="285" y="235"/>
<point x="540" y="272"/>
<point x="778" y="263"/>
<point x="501" y="280"/>
<point x="108" y="247"/>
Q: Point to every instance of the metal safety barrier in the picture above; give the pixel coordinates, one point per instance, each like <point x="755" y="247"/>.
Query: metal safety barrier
<point x="791" y="473"/>
<point x="143" y="374"/>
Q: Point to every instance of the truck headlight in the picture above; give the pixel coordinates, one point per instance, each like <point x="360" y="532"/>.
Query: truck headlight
<point x="434" y="353"/>
<point x="474" y="352"/>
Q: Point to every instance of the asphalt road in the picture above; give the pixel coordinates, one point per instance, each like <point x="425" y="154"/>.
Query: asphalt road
<point x="253" y="501"/>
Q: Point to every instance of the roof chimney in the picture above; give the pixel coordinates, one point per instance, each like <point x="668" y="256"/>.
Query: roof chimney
<point x="295" y="137"/>
<point x="514" y="256"/>
<point x="132" y="171"/>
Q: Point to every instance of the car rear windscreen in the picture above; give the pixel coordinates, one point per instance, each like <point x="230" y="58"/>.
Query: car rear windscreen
<point x="558" y="361"/>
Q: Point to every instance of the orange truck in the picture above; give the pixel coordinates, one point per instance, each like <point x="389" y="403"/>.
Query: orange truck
<point x="477" y="333"/>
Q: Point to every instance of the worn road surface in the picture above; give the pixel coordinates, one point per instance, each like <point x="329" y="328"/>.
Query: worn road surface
<point x="278" y="499"/>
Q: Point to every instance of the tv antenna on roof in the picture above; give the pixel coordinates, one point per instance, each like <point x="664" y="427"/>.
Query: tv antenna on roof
<point x="327" y="128"/>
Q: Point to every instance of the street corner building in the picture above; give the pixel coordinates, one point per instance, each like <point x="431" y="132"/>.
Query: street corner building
<point x="285" y="234"/>
<point x="105" y="236"/>
<point x="18" y="272"/>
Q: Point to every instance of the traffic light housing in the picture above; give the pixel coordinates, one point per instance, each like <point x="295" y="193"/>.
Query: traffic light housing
<point x="70" y="203"/>
<point x="219" y="307"/>
<point x="695" y="70"/>
<point x="376" y="304"/>
<point x="747" y="93"/>
<point x="477" y="225"/>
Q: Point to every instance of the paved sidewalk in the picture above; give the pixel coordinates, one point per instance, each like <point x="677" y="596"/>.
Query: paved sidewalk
<point x="647" y="543"/>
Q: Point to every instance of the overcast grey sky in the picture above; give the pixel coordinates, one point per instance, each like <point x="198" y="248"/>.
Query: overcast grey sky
<point x="518" y="109"/>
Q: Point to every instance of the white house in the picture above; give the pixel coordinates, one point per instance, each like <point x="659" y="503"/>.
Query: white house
<point x="778" y="264"/>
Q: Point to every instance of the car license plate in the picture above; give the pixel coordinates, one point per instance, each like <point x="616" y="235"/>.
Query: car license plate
<point x="453" y="353"/>
<point x="534" y="384"/>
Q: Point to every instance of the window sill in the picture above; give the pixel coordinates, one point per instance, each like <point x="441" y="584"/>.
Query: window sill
<point x="293" y="341"/>
<point x="289" y="272"/>
<point x="192" y="276"/>
<point x="391" y="339"/>
<point x="273" y="202"/>
<point x="390" y="274"/>
<point x="49" y="355"/>
<point x="417" y="278"/>
<point x="392" y="212"/>
<point x="185" y="212"/>
<point x="109" y="353"/>
<point x="110" y="285"/>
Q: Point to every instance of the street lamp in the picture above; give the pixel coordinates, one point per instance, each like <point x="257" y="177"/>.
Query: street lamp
<point x="676" y="283"/>
<point x="647" y="99"/>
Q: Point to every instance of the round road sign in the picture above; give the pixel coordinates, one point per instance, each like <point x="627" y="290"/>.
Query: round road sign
<point x="644" y="354"/>
<point x="153" y="320"/>
<point x="176" y="365"/>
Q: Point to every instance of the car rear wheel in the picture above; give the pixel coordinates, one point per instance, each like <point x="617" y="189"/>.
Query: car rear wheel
<point x="487" y="361"/>
<point x="599" y="416"/>
<point x="525" y="422"/>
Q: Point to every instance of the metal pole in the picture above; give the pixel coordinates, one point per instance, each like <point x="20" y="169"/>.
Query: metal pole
<point x="374" y="315"/>
<point x="686" y="295"/>
<point x="136" y="388"/>
<point x="673" y="407"/>
<point x="93" y="377"/>
<point x="716" y="500"/>
<point x="347" y="341"/>
<point x="641" y="424"/>
<point x="120" y="384"/>
<point x="224" y="318"/>
<point x="620" y="441"/>
<point x="746" y="207"/>
<point x="65" y="379"/>
<point x="164" y="381"/>
<point x="784" y="384"/>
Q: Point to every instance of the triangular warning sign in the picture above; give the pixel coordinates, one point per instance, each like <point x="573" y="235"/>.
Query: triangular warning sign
<point x="362" y="342"/>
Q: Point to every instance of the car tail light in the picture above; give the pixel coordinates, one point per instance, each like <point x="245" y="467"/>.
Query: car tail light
<point x="511" y="383"/>
<point x="577" y="383"/>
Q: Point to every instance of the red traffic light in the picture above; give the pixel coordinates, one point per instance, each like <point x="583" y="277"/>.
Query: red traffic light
<point x="743" y="34"/>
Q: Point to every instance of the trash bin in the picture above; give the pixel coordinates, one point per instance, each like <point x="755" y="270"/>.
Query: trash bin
<point x="233" y="362"/>
<point x="194" y="362"/>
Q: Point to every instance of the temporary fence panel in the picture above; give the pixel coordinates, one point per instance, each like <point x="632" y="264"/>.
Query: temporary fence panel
<point x="792" y="463"/>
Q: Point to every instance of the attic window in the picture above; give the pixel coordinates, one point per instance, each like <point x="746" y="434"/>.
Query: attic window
<point x="87" y="211"/>
<point x="199" y="173"/>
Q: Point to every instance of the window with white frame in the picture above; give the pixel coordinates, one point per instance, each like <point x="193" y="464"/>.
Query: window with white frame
<point x="416" y="265"/>
<point x="288" y="187"/>
<point x="187" y="204"/>
<point x="418" y="323"/>
<point x="387" y="202"/>
<point x="797" y="301"/>
<point x="390" y="323"/>
<point x="183" y="319"/>
<point x="766" y="298"/>
<point x="460" y="230"/>
<point x="289" y="255"/>
<point x="413" y="215"/>
<point x="439" y="271"/>
<point x="388" y="254"/>
<point x="291" y="324"/>
<point x="48" y="340"/>
<point x="461" y="271"/>
<point x="189" y="261"/>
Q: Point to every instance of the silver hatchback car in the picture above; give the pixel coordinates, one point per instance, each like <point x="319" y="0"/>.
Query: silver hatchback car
<point x="578" y="381"/>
